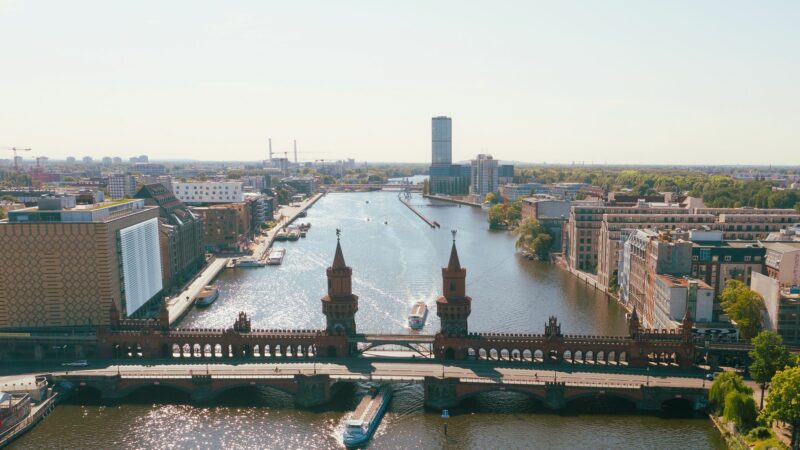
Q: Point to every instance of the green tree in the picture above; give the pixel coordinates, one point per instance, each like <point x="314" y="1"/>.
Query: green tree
<point x="426" y="187"/>
<point x="740" y="408"/>
<point x="496" y="216"/>
<point x="8" y="198"/>
<point x="725" y="383"/>
<point x="534" y="238"/>
<point x="783" y="401"/>
<point x="744" y="306"/>
<point x="490" y="198"/>
<point x="514" y="211"/>
<point x="769" y="356"/>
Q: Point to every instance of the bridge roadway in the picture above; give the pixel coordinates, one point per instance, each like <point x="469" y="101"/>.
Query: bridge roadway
<point x="445" y="384"/>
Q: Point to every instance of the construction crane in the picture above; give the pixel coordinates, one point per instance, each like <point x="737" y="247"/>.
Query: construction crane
<point x="15" y="150"/>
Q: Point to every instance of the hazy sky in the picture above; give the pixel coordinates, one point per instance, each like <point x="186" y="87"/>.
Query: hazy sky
<point x="594" y="81"/>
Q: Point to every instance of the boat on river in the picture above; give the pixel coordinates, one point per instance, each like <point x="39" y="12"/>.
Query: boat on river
<point x="250" y="262"/>
<point x="282" y="235"/>
<point x="207" y="296"/>
<point x="419" y="312"/>
<point x="276" y="256"/>
<point x="365" y="420"/>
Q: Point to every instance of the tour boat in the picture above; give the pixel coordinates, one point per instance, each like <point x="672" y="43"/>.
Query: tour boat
<point x="419" y="312"/>
<point x="207" y="296"/>
<point x="276" y="256"/>
<point x="365" y="420"/>
<point x="250" y="262"/>
<point x="281" y="235"/>
<point x="294" y="234"/>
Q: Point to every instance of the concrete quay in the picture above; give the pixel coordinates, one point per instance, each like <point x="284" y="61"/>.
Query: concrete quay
<point x="289" y="214"/>
<point x="179" y="304"/>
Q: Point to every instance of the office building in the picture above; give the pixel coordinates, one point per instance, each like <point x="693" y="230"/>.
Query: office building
<point x="483" y="179"/>
<point x="65" y="265"/>
<point x="783" y="307"/>
<point x="120" y="186"/>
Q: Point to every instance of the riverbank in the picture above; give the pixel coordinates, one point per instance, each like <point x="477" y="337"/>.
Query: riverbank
<point x="288" y="215"/>
<point x="452" y="200"/>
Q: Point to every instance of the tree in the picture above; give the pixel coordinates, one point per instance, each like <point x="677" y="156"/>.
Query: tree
<point x="744" y="306"/>
<point x="514" y="211"/>
<point x="783" y="401"/>
<point x="769" y="356"/>
<point x="724" y="384"/>
<point x="496" y="216"/>
<point x="490" y="198"/>
<point x="426" y="187"/>
<point x="740" y="408"/>
<point x="534" y="238"/>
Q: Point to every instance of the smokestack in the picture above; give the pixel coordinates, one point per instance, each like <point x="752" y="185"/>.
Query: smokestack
<point x="270" y="149"/>
<point x="295" y="151"/>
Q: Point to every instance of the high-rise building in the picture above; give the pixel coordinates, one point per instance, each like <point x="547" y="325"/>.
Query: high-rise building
<point x="65" y="265"/>
<point x="484" y="176"/>
<point x="442" y="140"/>
<point x="121" y="185"/>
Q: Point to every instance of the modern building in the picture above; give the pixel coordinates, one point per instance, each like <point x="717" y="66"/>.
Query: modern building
<point x="782" y="304"/>
<point x="512" y="191"/>
<point x="121" y="185"/>
<point x="262" y="208"/>
<point x="303" y="185"/>
<point x="445" y="177"/>
<point x="442" y="140"/>
<point x="483" y="179"/>
<point x="181" y="235"/>
<point x="225" y="226"/>
<point x="146" y="168"/>
<point x="65" y="265"/>
<point x="677" y="296"/>
<point x="783" y="262"/>
<point x="505" y="173"/>
<point x="209" y="192"/>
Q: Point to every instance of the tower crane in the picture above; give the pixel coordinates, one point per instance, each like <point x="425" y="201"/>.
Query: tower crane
<point x="15" y="150"/>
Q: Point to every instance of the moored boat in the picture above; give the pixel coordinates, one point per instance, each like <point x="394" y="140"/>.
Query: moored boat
<point x="207" y="296"/>
<point x="276" y="256"/>
<point x="250" y="262"/>
<point x="365" y="420"/>
<point x="419" y="312"/>
<point x="281" y="235"/>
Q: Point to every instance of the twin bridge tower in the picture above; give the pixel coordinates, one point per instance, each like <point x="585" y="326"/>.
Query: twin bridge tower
<point x="141" y="338"/>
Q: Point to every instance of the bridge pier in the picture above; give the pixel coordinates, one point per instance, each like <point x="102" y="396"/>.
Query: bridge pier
<point x="441" y="393"/>
<point x="312" y="390"/>
<point x="554" y="395"/>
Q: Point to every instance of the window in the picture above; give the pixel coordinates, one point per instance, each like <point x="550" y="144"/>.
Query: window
<point x="748" y="258"/>
<point x="728" y="258"/>
<point x="452" y="286"/>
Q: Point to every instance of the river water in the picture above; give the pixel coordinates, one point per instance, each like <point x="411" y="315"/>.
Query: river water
<point x="396" y="260"/>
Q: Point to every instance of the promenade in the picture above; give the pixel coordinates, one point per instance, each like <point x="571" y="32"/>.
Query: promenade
<point x="179" y="304"/>
<point x="288" y="215"/>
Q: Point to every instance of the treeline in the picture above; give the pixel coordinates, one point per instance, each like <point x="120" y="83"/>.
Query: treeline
<point x="717" y="191"/>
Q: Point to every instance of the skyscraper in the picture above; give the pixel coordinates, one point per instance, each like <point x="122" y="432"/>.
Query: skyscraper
<point x="442" y="136"/>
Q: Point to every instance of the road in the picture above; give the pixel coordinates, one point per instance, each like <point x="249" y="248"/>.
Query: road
<point x="362" y="369"/>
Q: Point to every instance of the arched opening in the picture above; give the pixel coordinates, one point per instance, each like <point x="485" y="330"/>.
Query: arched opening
<point x="601" y="403"/>
<point x="472" y="354"/>
<point x="85" y="395"/>
<point x="589" y="357"/>
<point x="196" y="351"/>
<point x="482" y="354"/>
<point x="176" y="351"/>
<point x="310" y="351"/>
<point x="208" y="352"/>
<point x="527" y="355"/>
<point x="278" y="351"/>
<point x="287" y="350"/>
<point x="449" y="353"/>
<point x="612" y="357"/>
<point x="579" y="356"/>
<point x="538" y="355"/>
<point x="622" y="359"/>
<point x="493" y="354"/>
<point x="516" y="355"/>
<point x="218" y="351"/>
<point x="677" y="407"/>
<point x="601" y="357"/>
<point x="256" y="350"/>
<point x="267" y="351"/>
<point x="116" y="350"/>
<point x="568" y="356"/>
<point x="504" y="354"/>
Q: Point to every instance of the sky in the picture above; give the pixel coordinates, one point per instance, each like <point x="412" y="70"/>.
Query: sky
<point x="631" y="82"/>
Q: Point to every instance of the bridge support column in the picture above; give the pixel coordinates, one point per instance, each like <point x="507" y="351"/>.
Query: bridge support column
<point x="554" y="395"/>
<point x="312" y="390"/>
<point x="202" y="391"/>
<point x="441" y="393"/>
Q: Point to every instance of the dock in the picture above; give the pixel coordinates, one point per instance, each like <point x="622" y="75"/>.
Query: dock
<point x="262" y="249"/>
<point x="452" y="200"/>
<point x="179" y="304"/>
<point x="411" y="207"/>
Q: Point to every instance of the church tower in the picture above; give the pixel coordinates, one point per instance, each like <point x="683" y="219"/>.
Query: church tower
<point x="454" y="306"/>
<point x="340" y="305"/>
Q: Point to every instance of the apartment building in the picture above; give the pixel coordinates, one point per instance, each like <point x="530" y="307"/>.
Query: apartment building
<point x="782" y="304"/>
<point x="676" y="296"/>
<point x="226" y="226"/>
<point x="209" y="192"/>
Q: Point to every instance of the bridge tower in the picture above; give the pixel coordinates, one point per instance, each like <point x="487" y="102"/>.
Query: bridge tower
<point x="454" y="306"/>
<point x="634" y="328"/>
<point x="340" y="305"/>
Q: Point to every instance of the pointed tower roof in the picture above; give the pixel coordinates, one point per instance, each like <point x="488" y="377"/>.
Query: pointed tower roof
<point x="338" y="258"/>
<point x="454" y="264"/>
<point x="634" y="315"/>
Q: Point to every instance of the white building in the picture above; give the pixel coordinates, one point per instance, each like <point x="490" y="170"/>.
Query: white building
<point x="121" y="185"/>
<point x="209" y="191"/>
<point x="484" y="176"/>
<point x="676" y="295"/>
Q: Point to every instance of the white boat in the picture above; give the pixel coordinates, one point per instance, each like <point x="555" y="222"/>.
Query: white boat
<point x="294" y="234"/>
<point x="365" y="420"/>
<point x="276" y="256"/>
<point x="419" y="312"/>
<point x="281" y="235"/>
<point x="207" y="296"/>
<point x="250" y="262"/>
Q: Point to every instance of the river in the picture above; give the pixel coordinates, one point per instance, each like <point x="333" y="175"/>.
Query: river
<point x="396" y="260"/>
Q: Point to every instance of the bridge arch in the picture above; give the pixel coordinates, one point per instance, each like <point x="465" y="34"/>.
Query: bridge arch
<point x="158" y="393"/>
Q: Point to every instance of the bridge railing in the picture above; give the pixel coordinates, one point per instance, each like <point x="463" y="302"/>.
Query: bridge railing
<point x="543" y="381"/>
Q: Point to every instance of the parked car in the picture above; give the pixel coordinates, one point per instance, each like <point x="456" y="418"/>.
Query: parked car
<point x="712" y="375"/>
<point x="78" y="363"/>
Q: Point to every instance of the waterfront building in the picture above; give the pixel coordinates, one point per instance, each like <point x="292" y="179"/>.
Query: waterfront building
<point x="209" y="192"/>
<point x="180" y="235"/>
<point x="303" y="185"/>
<point x="65" y="265"/>
<point x="783" y="307"/>
<point x="262" y="208"/>
<point x="674" y="297"/>
<point x="511" y="191"/>
<point x="445" y="177"/>
<point x="121" y="185"/>
<point x="566" y="191"/>
<point x="552" y="214"/>
<point x="483" y="178"/>
<point x="783" y="262"/>
<point x="225" y="226"/>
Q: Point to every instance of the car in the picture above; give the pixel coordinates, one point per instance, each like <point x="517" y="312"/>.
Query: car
<point x="712" y="375"/>
<point x="78" y="363"/>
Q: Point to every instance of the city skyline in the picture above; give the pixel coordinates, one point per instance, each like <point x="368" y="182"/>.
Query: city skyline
<point x="626" y="83"/>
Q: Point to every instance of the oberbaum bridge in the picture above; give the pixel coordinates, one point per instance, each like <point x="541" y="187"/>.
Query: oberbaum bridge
<point x="454" y="368"/>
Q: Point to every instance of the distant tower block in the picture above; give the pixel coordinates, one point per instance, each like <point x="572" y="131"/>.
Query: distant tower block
<point x="454" y="306"/>
<point x="340" y="305"/>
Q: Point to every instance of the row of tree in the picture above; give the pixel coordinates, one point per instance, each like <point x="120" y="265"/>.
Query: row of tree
<point x="772" y="366"/>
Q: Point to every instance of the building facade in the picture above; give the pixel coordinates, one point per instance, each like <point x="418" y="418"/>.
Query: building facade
<point x="484" y="176"/>
<point x="209" y="192"/>
<point x="66" y="266"/>
<point x="121" y="185"/>
<point x="225" y="227"/>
